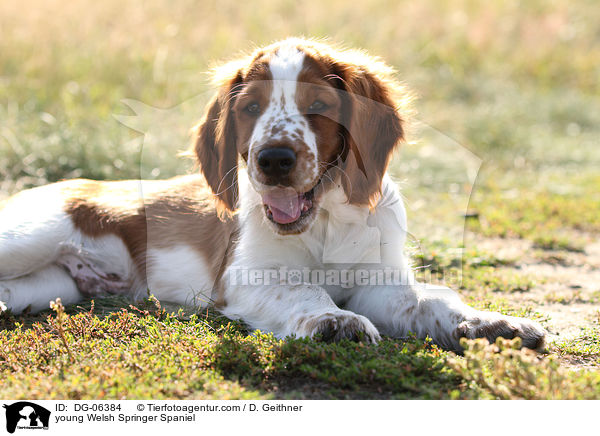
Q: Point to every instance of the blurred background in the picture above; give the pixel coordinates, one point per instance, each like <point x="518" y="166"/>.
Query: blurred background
<point x="508" y="99"/>
<point x="516" y="83"/>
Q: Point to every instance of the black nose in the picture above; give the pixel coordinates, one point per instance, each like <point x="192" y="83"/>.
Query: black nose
<point x="276" y="161"/>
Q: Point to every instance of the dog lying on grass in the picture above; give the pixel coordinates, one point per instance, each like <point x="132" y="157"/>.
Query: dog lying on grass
<point x="314" y="128"/>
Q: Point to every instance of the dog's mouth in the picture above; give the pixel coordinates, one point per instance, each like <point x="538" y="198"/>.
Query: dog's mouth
<point x="286" y="207"/>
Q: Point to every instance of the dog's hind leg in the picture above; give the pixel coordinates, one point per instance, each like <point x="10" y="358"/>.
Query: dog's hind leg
<point x="33" y="225"/>
<point x="37" y="289"/>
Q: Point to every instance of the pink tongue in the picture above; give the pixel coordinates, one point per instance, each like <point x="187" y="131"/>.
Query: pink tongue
<point x="285" y="204"/>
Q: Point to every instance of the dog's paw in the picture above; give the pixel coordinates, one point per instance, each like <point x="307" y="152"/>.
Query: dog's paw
<point x="335" y="326"/>
<point x="491" y="325"/>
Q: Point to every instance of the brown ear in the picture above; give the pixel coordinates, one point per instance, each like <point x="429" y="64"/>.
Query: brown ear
<point x="215" y="147"/>
<point x="373" y="129"/>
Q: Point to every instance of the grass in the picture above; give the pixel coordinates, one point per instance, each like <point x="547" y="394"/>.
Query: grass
<point x="553" y="221"/>
<point x="146" y="352"/>
<point x="508" y="94"/>
<point x="506" y="373"/>
<point x="585" y="346"/>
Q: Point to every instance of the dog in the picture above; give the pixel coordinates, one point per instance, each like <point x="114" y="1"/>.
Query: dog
<point x="293" y="195"/>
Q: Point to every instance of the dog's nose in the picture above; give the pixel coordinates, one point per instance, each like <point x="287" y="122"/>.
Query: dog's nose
<point x="276" y="161"/>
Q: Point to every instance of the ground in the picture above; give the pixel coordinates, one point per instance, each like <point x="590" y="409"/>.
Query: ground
<point x="500" y="178"/>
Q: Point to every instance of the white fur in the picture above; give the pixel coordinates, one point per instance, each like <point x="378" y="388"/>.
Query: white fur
<point x="179" y="275"/>
<point x="37" y="289"/>
<point x="32" y="226"/>
<point x="395" y="310"/>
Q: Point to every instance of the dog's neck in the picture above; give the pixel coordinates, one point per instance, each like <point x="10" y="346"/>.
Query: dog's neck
<point x="342" y="233"/>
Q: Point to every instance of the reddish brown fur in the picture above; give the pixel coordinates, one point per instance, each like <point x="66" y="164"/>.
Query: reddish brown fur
<point x="326" y="125"/>
<point x="372" y="124"/>
<point x="361" y="126"/>
<point x="169" y="213"/>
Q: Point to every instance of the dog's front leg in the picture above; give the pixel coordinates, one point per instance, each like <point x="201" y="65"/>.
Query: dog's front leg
<point x="438" y="312"/>
<point x="302" y="310"/>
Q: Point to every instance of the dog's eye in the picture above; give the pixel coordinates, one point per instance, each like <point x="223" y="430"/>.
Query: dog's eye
<point x="317" y="107"/>
<point x="253" y="108"/>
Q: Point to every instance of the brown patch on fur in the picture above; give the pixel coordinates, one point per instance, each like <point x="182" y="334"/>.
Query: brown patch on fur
<point x="223" y="132"/>
<point x="369" y="119"/>
<point x="373" y="132"/>
<point x="312" y="86"/>
<point x="216" y="150"/>
<point x="173" y="212"/>
<point x="276" y="129"/>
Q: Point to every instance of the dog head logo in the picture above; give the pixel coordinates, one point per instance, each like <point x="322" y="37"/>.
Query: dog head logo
<point x="26" y="415"/>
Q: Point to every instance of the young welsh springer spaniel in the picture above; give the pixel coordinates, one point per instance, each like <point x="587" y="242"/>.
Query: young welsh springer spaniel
<point x="273" y="244"/>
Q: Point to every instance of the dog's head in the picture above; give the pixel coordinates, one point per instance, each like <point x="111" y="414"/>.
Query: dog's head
<point x="304" y="117"/>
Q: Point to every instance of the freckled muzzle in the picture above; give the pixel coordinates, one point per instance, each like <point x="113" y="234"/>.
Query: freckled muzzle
<point x="286" y="185"/>
<point x="283" y="162"/>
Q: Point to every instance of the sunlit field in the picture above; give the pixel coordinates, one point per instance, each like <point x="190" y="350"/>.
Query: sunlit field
<point x="500" y="176"/>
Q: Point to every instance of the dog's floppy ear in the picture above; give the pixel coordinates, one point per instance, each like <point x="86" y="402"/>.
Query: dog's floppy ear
<point x="215" y="145"/>
<point x="373" y="129"/>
